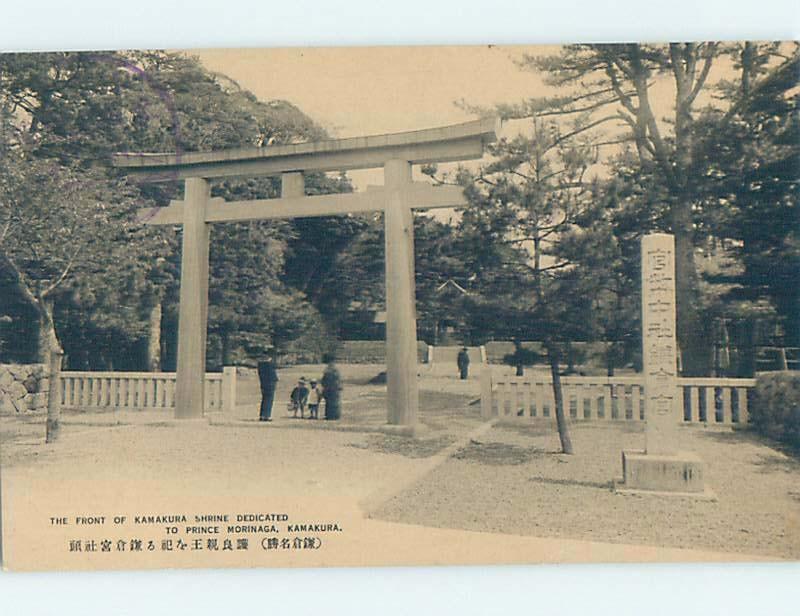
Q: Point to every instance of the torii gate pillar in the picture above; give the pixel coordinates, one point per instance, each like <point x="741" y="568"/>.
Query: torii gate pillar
<point x="193" y="310"/>
<point x="401" y="317"/>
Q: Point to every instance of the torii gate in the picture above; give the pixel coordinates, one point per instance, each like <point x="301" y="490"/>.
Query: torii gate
<point x="396" y="153"/>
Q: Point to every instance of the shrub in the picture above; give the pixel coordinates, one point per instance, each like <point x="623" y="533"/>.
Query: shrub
<point x="520" y="358"/>
<point x="776" y="406"/>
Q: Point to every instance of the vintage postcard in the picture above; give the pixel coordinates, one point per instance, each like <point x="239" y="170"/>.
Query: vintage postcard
<point x="400" y="306"/>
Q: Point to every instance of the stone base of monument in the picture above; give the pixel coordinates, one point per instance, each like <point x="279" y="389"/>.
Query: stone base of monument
<point x="679" y="474"/>
<point x="417" y="430"/>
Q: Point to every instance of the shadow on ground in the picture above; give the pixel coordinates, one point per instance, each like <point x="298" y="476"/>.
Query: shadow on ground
<point x="545" y="426"/>
<point x="408" y="447"/>
<point x="600" y="485"/>
<point x="791" y="462"/>
<point x="498" y="454"/>
<point x="771" y="463"/>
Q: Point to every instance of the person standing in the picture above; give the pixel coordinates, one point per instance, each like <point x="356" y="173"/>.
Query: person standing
<point x="314" y="399"/>
<point x="268" y="379"/>
<point x="299" y="397"/>
<point x="332" y="390"/>
<point x="463" y="363"/>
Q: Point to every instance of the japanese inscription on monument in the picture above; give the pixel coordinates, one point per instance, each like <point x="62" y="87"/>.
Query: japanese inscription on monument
<point x="659" y="344"/>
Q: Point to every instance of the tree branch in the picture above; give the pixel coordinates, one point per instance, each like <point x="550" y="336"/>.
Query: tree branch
<point x="18" y="282"/>
<point x="709" y="59"/>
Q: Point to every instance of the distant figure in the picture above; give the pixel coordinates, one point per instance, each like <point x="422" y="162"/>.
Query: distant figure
<point x="314" y="400"/>
<point x="299" y="398"/>
<point x="463" y="363"/>
<point x="332" y="390"/>
<point x="268" y="379"/>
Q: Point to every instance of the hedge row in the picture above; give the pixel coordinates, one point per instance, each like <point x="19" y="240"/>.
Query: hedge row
<point x="775" y="411"/>
<point x="371" y="352"/>
<point x="585" y="352"/>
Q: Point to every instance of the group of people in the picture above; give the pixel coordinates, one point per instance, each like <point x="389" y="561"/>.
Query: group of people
<point x="310" y="394"/>
<point x="305" y="394"/>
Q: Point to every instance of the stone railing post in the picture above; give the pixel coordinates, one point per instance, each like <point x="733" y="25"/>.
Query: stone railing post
<point x="486" y="391"/>
<point x="228" y="389"/>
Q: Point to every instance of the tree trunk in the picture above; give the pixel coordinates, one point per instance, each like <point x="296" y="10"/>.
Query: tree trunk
<point x="154" y="338"/>
<point x="553" y="356"/>
<point x="50" y="354"/>
<point x="570" y="359"/>
<point x="48" y="341"/>
<point x="692" y="332"/>
<point x="520" y="369"/>
<point x="747" y="350"/>
<point x="676" y="165"/>
<point x="54" y="396"/>
<point x="225" y="344"/>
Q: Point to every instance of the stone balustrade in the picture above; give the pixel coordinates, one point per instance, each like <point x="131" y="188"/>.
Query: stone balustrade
<point x="131" y="390"/>
<point x="709" y="401"/>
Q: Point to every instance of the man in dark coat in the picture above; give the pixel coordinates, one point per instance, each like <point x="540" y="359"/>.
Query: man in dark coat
<point x="268" y="379"/>
<point x="463" y="363"/>
<point x="332" y="390"/>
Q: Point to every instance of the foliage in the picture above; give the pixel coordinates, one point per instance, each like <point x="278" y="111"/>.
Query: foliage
<point x="776" y="408"/>
<point x="533" y="213"/>
<point x="70" y="112"/>
<point x="521" y="357"/>
<point x="65" y="238"/>
<point x="542" y="250"/>
<point x="750" y="155"/>
<point x="667" y="161"/>
<point x="606" y="89"/>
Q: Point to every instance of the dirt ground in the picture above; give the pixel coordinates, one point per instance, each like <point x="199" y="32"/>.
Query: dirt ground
<point x="509" y="480"/>
<point x="448" y="408"/>
<point x="512" y="481"/>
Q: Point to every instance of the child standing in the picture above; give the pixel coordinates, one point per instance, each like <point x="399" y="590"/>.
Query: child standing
<point x="299" y="397"/>
<point x="314" y="400"/>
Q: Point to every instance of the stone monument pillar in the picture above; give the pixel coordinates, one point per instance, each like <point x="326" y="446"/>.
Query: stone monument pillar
<point x="659" y="353"/>
<point x="661" y="467"/>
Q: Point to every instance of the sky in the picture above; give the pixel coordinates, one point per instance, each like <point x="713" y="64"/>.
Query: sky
<point x="357" y="91"/>
<point x="374" y="90"/>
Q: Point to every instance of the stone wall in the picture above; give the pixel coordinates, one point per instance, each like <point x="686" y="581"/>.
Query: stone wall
<point x="371" y="352"/>
<point x="23" y="388"/>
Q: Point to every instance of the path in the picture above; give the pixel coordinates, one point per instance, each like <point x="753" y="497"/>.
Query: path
<point x="312" y="476"/>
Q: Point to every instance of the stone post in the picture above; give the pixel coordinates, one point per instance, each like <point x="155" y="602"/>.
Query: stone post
<point x="486" y="391"/>
<point x="401" y="319"/>
<point x="193" y="311"/>
<point x="293" y="185"/>
<point x="659" y="347"/>
<point x="228" y="389"/>
<point x="661" y="467"/>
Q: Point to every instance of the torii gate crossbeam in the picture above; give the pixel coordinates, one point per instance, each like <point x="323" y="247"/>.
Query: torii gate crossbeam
<point x="396" y="153"/>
